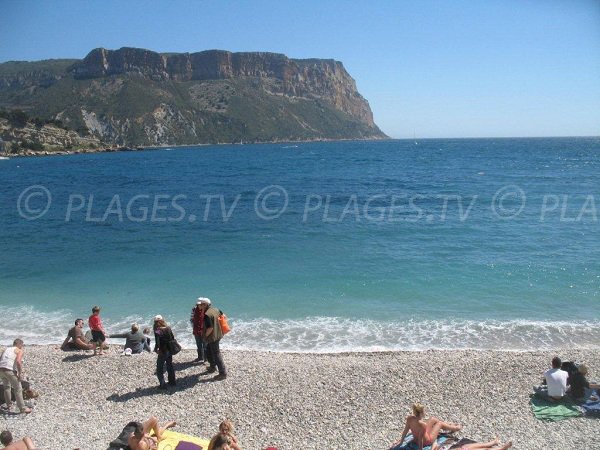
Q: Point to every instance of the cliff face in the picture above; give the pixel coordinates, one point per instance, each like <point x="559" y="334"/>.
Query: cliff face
<point x="325" y="79"/>
<point x="139" y="97"/>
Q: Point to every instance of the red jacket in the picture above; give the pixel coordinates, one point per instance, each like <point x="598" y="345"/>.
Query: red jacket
<point x="197" y="319"/>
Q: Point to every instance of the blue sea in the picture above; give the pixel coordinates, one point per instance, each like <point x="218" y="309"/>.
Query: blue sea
<point x="312" y="247"/>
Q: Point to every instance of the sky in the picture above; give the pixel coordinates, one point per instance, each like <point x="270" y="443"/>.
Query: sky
<point x="494" y="68"/>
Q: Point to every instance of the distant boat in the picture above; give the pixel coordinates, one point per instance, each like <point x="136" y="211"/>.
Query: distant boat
<point x="4" y="157"/>
<point x="290" y="146"/>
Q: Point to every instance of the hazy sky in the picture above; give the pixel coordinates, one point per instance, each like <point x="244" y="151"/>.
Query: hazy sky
<point x="434" y="68"/>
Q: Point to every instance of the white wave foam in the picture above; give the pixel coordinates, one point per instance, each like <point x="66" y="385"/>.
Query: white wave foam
<point x="332" y="334"/>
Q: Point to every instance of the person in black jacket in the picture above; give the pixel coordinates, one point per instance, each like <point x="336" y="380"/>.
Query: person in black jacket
<point x="163" y="336"/>
<point x="579" y="384"/>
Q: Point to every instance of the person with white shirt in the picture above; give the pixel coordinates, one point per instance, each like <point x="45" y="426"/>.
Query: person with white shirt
<point x="556" y="380"/>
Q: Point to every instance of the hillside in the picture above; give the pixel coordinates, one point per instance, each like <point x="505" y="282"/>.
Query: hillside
<point x="135" y="97"/>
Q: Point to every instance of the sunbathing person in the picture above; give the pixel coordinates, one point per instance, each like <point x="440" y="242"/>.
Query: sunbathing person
<point x="226" y="428"/>
<point x="7" y="441"/>
<point x="425" y="432"/>
<point x="492" y="445"/>
<point x="220" y="442"/>
<point x="140" y="439"/>
<point x="75" y="340"/>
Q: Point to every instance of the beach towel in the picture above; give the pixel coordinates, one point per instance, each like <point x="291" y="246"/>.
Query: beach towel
<point x="173" y="440"/>
<point x="591" y="408"/>
<point x="550" y="411"/>
<point x="409" y="444"/>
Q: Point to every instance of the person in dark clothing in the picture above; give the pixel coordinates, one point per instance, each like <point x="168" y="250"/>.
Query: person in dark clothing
<point x="134" y="340"/>
<point x="197" y="321"/>
<point x="212" y="336"/>
<point x="579" y="383"/>
<point x="163" y="336"/>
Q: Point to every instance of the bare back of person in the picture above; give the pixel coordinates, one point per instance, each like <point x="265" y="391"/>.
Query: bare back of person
<point x="23" y="444"/>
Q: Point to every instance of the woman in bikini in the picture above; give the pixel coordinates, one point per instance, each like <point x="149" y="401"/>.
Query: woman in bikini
<point x="140" y="439"/>
<point x="425" y="432"/>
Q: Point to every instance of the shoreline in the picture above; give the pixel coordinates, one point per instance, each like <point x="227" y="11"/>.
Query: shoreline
<point x="298" y="400"/>
<point x="115" y="149"/>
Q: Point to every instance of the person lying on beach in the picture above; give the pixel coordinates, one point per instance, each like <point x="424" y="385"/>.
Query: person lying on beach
<point x="220" y="442"/>
<point x="75" y="339"/>
<point x="425" y="432"/>
<point x="226" y="428"/>
<point x="492" y="445"/>
<point x="134" y="340"/>
<point x="140" y="439"/>
<point x="7" y="441"/>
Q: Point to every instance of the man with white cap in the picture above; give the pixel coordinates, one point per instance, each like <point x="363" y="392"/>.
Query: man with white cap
<point x="197" y="321"/>
<point x="212" y="335"/>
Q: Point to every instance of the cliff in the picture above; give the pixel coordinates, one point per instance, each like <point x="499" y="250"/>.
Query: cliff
<point x="139" y="97"/>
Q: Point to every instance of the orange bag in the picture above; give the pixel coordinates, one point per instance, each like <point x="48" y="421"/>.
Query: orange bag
<point x="225" y="328"/>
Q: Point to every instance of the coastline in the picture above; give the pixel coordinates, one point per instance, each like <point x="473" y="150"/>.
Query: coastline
<point x="298" y="400"/>
<point x="114" y="149"/>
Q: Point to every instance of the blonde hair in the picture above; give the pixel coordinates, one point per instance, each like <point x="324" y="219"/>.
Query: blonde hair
<point x="226" y="426"/>
<point x="418" y="409"/>
<point x="583" y="370"/>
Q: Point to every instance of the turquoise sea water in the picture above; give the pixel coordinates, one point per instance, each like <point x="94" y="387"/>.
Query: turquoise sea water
<point x="342" y="246"/>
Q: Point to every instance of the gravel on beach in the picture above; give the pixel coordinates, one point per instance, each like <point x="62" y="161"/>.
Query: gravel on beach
<point x="297" y="400"/>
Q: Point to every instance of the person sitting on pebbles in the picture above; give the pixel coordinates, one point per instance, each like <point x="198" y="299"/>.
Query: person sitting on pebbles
<point x="135" y="340"/>
<point x="140" y="439"/>
<point x="425" y="432"/>
<point x="579" y="388"/>
<point x="75" y="339"/>
<point x="226" y="428"/>
<point x="220" y="442"/>
<point x="6" y="438"/>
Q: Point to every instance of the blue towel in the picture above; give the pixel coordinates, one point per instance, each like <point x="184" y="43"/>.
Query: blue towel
<point x="591" y="408"/>
<point x="409" y="444"/>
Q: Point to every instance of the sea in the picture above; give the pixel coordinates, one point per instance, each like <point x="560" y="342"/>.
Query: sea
<point x="349" y="246"/>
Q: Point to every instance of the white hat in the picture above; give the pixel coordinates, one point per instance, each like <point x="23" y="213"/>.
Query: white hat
<point x="200" y="300"/>
<point x="158" y="317"/>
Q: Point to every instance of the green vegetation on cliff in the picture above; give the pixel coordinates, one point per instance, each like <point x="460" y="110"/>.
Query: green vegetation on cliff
<point x="137" y="97"/>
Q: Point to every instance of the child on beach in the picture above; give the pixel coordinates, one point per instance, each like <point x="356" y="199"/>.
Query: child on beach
<point x="147" y="336"/>
<point x="6" y="438"/>
<point x="226" y="428"/>
<point x="98" y="333"/>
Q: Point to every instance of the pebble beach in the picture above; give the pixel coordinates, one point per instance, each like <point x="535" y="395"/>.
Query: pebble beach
<point x="297" y="400"/>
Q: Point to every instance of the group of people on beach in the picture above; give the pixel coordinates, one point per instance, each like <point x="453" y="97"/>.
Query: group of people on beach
<point x="565" y="381"/>
<point x="146" y="436"/>
<point x="562" y="381"/>
<point x="206" y="328"/>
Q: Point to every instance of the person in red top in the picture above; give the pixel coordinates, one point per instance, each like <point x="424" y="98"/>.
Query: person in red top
<point x="98" y="333"/>
<point x="197" y="321"/>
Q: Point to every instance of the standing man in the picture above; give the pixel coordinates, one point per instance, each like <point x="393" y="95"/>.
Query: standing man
<point x="197" y="321"/>
<point x="11" y="375"/>
<point x="98" y="333"/>
<point x="212" y="337"/>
